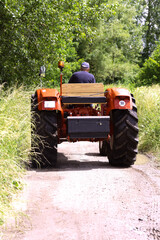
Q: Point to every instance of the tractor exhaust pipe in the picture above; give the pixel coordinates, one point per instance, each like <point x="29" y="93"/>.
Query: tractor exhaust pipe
<point x="61" y="66"/>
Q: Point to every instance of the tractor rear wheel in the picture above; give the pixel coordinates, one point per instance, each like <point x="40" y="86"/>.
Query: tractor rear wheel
<point x="122" y="146"/>
<point x="43" y="136"/>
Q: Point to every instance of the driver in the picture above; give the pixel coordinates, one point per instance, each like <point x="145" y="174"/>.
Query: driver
<point x="83" y="76"/>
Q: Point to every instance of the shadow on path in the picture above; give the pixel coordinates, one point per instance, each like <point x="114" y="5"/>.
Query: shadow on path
<point x="63" y="164"/>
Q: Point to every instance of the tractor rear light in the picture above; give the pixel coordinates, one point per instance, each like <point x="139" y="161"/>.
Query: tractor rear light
<point x="122" y="103"/>
<point x="49" y="104"/>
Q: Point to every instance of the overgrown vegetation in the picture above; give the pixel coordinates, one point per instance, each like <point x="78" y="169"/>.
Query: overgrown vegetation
<point x="148" y="104"/>
<point x="15" y="134"/>
<point x="14" y="142"/>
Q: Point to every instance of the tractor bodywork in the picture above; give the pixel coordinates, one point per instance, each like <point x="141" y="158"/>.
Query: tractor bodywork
<point x="84" y="112"/>
<point x="78" y="119"/>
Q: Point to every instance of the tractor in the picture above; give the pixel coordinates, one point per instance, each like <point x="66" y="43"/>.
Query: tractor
<point x="84" y="112"/>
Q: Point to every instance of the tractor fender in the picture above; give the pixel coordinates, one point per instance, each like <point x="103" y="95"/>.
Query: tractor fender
<point x="48" y="99"/>
<point x="118" y="98"/>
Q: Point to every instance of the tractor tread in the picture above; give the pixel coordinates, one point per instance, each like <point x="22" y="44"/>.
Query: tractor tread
<point x="123" y="148"/>
<point x="43" y="136"/>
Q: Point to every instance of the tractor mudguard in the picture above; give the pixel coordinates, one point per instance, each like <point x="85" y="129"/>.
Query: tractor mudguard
<point x="48" y="99"/>
<point x="118" y="98"/>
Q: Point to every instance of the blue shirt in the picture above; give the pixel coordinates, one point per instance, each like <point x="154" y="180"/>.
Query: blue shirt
<point x="82" y="77"/>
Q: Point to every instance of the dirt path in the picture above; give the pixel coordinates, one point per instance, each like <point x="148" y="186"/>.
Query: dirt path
<point x="87" y="199"/>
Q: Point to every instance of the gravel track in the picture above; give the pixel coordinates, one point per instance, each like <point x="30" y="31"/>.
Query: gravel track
<point x="85" y="198"/>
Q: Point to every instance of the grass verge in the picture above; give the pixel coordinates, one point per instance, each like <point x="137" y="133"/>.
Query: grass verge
<point x="148" y="105"/>
<point x="14" y="142"/>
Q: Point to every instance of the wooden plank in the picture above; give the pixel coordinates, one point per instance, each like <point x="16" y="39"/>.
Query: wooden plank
<point x="83" y="89"/>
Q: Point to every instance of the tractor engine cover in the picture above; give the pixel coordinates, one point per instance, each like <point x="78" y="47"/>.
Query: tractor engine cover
<point x="88" y="126"/>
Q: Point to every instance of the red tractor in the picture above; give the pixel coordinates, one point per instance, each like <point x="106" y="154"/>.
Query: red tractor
<point x="84" y="112"/>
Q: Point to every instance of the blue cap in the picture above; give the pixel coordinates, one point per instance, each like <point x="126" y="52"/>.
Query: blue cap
<point x="85" y="65"/>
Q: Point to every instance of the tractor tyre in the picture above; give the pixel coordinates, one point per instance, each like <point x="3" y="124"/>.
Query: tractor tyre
<point x="123" y="143"/>
<point x="43" y="136"/>
<point x="103" y="148"/>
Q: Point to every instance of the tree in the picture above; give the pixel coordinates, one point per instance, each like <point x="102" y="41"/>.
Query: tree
<point x="116" y="45"/>
<point x="38" y="33"/>
<point x="151" y="27"/>
<point x="108" y="34"/>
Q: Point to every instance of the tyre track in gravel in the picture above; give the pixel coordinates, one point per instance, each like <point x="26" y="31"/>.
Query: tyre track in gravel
<point x="87" y="199"/>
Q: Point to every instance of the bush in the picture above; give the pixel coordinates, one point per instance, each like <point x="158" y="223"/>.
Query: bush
<point x="150" y="72"/>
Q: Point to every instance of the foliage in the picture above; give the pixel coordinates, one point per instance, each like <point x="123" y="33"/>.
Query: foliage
<point x="115" y="48"/>
<point x="112" y="35"/>
<point x="151" y="27"/>
<point x="150" y="72"/>
<point x="35" y="33"/>
<point x="38" y="33"/>
<point x="14" y="142"/>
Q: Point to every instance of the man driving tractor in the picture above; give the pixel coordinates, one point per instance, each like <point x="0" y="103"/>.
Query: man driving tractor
<point x="83" y="76"/>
